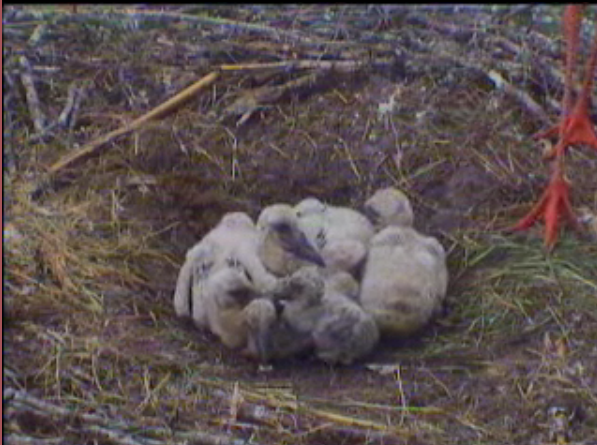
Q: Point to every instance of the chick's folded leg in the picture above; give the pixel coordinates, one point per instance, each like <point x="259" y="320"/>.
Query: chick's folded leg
<point x="226" y="293"/>
<point x="260" y="315"/>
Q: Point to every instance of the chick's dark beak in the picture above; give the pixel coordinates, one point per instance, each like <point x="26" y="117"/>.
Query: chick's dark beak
<point x="300" y="246"/>
<point x="371" y="214"/>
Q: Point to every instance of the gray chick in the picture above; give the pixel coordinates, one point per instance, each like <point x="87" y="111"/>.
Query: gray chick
<point x="270" y="336"/>
<point x="345" y="332"/>
<point x="320" y="313"/>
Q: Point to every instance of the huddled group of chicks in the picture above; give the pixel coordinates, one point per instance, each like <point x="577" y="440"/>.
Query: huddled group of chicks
<point x="314" y="277"/>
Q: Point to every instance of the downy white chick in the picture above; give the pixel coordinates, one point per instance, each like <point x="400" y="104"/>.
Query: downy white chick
<point x="235" y="237"/>
<point x="405" y="280"/>
<point x="225" y="296"/>
<point x="341" y="234"/>
<point x="284" y="247"/>
<point x="320" y="313"/>
<point x="345" y="256"/>
<point x="389" y="207"/>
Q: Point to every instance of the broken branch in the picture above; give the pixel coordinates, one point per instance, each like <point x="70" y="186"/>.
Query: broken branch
<point x="94" y="146"/>
<point x="37" y="115"/>
<point x="20" y="402"/>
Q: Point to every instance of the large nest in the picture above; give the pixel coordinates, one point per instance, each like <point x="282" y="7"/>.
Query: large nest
<point x="327" y="101"/>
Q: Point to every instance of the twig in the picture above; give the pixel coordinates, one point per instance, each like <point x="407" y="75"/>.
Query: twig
<point x="67" y="118"/>
<point x="20" y="439"/>
<point x="452" y="9"/>
<point x="257" y="412"/>
<point x="506" y="14"/>
<point x="157" y="112"/>
<point x="252" y="100"/>
<point x="23" y="399"/>
<point x="367" y="436"/>
<point x="459" y="33"/>
<point x="355" y="422"/>
<point x="59" y="17"/>
<point x="76" y="94"/>
<point x="429" y="62"/>
<point x="521" y="96"/>
<point x="253" y="412"/>
<point x="94" y="146"/>
<point x="326" y="415"/>
<point x="119" y="437"/>
<point x="116" y="430"/>
<point x="8" y="158"/>
<point x="289" y="66"/>
<point x="37" y="35"/>
<point x="37" y="115"/>
<point x="197" y="438"/>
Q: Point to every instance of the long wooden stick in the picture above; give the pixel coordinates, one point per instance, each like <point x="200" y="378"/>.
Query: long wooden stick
<point x="159" y="111"/>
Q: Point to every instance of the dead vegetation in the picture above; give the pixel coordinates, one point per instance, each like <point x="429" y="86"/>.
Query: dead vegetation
<point x="331" y="101"/>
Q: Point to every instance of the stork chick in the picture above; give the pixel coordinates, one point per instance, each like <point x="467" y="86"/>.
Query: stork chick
<point x="320" y="313"/>
<point x="269" y="335"/>
<point x="225" y="296"/>
<point x="325" y="223"/>
<point x="345" y="256"/>
<point x="235" y="237"/>
<point x="389" y="207"/>
<point x="284" y="247"/>
<point x="341" y="234"/>
<point x="405" y="280"/>
<point x="346" y="332"/>
<point x="274" y="335"/>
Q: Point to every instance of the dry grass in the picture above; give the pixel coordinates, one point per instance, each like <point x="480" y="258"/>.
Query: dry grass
<point x="93" y="351"/>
